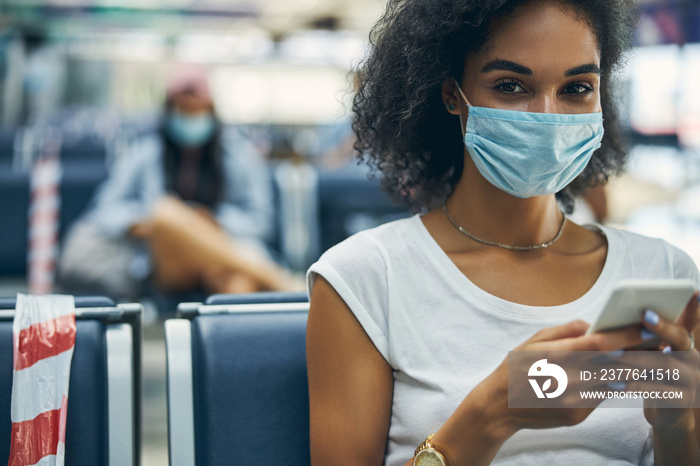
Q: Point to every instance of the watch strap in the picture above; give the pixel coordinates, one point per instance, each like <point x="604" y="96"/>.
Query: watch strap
<point x="428" y="445"/>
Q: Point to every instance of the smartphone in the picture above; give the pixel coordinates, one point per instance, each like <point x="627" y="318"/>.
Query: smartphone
<point x="630" y="298"/>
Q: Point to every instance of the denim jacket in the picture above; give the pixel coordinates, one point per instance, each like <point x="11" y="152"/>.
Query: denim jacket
<point x="137" y="181"/>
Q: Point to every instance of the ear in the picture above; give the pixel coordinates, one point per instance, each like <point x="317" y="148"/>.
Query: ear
<point x="449" y="96"/>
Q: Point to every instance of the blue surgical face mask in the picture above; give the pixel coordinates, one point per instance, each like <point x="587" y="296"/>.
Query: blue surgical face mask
<point x="530" y="154"/>
<point x="190" y="131"/>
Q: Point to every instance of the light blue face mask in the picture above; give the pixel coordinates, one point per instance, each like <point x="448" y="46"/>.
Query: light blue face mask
<point x="530" y="154"/>
<point x="190" y="131"/>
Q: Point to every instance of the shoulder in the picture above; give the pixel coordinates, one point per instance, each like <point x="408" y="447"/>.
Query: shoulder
<point x="635" y="243"/>
<point x="357" y="269"/>
<point x="648" y="252"/>
<point x="360" y="264"/>
<point x="357" y="262"/>
<point x="370" y="249"/>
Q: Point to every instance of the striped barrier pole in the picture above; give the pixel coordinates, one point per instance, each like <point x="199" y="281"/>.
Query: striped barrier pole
<point x="44" y="216"/>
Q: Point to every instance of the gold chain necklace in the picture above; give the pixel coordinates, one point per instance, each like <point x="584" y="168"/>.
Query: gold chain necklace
<point x="501" y="245"/>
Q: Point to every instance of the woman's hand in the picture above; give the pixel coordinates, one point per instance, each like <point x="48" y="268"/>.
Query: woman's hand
<point x="675" y="429"/>
<point x="676" y="336"/>
<point x="488" y="402"/>
<point x="566" y="338"/>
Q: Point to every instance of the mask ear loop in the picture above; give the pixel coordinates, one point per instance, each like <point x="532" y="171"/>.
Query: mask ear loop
<point x="459" y="88"/>
<point x="461" y="122"/>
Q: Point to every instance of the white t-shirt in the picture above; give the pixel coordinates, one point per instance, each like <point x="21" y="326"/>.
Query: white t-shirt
<point x="442" y="335"/>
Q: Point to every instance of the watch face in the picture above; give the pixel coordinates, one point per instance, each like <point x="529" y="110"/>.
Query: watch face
<point x="429" y="457"/>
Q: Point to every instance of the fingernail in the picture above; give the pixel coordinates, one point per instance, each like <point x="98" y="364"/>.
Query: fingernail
<point x="666" y="350"/>
<point x="647" y="334"/>
<point x="615" y="354"/>
<point x="651" y="317"/>
<point x="616" y="385"/>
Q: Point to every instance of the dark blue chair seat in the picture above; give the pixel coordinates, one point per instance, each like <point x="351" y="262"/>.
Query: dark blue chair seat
<point x="252" y="404"/>
<point x="245" y="398"/>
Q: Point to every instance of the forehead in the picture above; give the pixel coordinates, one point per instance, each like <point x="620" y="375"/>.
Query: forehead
<point x="543" y="33"/>
<point x="190" y="102"/>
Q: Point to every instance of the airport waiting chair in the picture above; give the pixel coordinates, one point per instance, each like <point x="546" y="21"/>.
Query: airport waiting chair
<point x="14" y="218"/>
<point x="349" y="202"/>
<point x="264" y="297"/>
<point x="237" y="387"/>
<point x="78" y="185"/>
<point x="104" y="399"/>
<point x="7" y="148"/>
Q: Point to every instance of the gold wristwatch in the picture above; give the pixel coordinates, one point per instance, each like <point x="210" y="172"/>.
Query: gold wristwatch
<point x="427" y="455"/>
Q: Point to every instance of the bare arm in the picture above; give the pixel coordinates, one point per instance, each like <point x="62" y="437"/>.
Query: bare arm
<point x="350" y="392"/>
<point x="350" y="385"/>
<point x="679" y="446"/>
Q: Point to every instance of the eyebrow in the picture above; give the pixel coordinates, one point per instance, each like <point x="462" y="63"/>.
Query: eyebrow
<point x="584" y="69"/>
<point x="507" y="65"/>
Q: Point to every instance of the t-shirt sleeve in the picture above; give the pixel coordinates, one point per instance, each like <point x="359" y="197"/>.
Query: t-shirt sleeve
<point x="683" y="265"/>
<point x="647" y="458"/>
<point x="357" y="270"/>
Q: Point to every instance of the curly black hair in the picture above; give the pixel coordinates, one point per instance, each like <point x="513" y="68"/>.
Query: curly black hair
<point x="402" y="129"/>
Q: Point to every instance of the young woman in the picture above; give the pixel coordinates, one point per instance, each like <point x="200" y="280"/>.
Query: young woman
<point x="485" y="116"/>
<point x="189" y="207"/>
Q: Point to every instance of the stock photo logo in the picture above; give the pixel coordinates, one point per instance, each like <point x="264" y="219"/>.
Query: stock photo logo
<point x="541" y="369"/>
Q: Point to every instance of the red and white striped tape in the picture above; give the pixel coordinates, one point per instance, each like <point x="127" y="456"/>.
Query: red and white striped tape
<point x="44" y="338"/>
<point x="44" y="218"/>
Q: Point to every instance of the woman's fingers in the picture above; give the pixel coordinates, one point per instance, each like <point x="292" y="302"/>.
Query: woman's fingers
<point x="571" y="329"/>
<point x="675" y="334"/>
<point x="690" y="317"/>
<point x="572" y="337"/>
<point x="606" y="341"/>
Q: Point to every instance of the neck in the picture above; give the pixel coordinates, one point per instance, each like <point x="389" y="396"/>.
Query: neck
<point x="493" y="215"/>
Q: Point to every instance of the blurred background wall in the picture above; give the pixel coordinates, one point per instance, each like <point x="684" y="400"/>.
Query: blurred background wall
<point x="90" y="74"/>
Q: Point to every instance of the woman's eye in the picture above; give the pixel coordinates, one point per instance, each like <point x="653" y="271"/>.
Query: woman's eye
<point x="578" y="88"/>
<point x="509" y="87"/>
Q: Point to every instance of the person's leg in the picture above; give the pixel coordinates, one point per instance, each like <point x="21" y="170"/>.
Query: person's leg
<point x="230" y="283"/>
<point x="187" y="247"/>
<point x="170" y="271"/>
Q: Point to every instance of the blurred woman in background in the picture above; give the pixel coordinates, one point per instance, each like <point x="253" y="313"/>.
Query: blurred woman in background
<point x="188" y="208"/>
